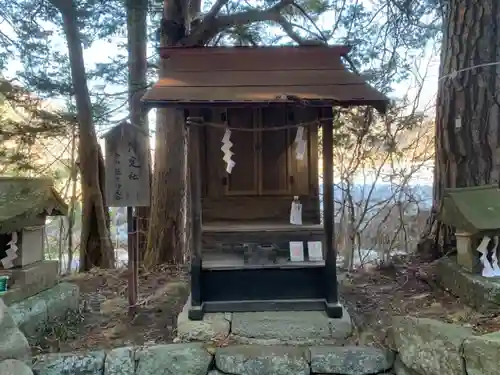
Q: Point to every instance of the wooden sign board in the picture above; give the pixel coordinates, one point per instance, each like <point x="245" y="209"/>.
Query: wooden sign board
<point x="127" y="167"/>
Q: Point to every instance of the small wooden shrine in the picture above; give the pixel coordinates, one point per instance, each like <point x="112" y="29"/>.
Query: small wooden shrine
<point x="474" y="212"/>
<point x="24" y="205"/>
<point x="253" y="101"/>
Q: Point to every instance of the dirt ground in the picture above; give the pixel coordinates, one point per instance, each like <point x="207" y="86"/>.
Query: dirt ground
<point x="104" y="322"/>
<point x="372" y="296"/>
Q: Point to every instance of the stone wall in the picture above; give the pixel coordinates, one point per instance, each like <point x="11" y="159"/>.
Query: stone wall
<point x="420" y="347"/>
<point x="430" y="347"/>
<point x="481" y="293"/>
<point x="200" y="359"/>
<point x="34" y="313"/>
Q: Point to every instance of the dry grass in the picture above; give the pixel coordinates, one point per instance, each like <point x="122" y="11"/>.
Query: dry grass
<point x="104" y="320"/>
<point x="373" y="296"/>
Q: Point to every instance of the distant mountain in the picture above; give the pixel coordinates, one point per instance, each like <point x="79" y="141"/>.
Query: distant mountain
<point x="378" y="192"/>
<point x="418" y="193"/>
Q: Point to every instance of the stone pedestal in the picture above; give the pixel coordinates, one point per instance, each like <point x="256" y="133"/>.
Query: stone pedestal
<point x="31" y="246"/>
<point x="481" y="293"/>
<point x="30" y="280"/>
<point x="467" y="256"/>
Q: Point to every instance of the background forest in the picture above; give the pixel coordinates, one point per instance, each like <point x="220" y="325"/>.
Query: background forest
<point x="72" y="69"/>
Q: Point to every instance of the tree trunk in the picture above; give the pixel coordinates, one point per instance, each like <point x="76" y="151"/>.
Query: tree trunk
<point x="167" y="230"/>
<point x="137" y="12"/>
<point x="73" y="202"/>
<point x="467" y="128"/>
<point x="96" y="249"/>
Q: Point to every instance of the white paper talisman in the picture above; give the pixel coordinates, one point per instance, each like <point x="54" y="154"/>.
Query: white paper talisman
<point x="296" y="251"/>
<point x="296" y="212"/>
<point x="315" y="251"/>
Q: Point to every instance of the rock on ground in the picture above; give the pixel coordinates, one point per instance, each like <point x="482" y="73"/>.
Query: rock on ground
<point x="428" y="346"/>
<point x="120" y="361"/>
<point x="481" y="293"/>
<point x="262" y="360"/>
<point x="400" y="368"/>
<point x="173" y="359"/>
<point x="70" y="364"/>
<point x="61" y="299"/>
<point x="350" y="360"/>
<point x="14" y="367"/>
<point x="213" y="326"/>
<point x="32" y="314"/>
<point x="13" y="344"/>
<point x="481" y="354"/>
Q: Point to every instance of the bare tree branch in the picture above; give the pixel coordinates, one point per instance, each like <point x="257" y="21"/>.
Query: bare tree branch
<point x="210" y="27"/>
<point x="216" y="8"/>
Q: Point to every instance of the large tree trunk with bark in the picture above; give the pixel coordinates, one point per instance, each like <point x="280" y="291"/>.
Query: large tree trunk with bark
<point x="167" y="230"/>
<point x="96" y="249"/>
<point x="467" y="116"/>
<point x="168" y="215"/>
<point x="137" y="12"/>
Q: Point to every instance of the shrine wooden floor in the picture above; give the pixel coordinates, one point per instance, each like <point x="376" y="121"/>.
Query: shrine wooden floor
<point x="227" y="261"/>
<point x="237" y="232"/>
<point x="220" y="227"/>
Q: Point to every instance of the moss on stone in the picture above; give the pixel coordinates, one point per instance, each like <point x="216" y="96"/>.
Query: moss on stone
<point x="24" y="200"/>
<point x="479" y="292"/>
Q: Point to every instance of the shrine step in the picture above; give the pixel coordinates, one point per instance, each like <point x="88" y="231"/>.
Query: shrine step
<point x="266" y="328"/>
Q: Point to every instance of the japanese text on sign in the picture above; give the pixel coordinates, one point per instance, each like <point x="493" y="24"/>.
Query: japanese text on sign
<point x="127" y="173"/>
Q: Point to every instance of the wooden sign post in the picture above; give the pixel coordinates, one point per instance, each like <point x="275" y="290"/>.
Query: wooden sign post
<point x="128" y="185"/>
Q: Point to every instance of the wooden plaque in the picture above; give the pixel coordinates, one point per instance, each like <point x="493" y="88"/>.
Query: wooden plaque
<point x="127" y="167"/>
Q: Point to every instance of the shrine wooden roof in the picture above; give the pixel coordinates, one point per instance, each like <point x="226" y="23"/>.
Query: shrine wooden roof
<point x="313" y="75"/>
<point x="23" y="200"/>
<point x="472" y="209"/>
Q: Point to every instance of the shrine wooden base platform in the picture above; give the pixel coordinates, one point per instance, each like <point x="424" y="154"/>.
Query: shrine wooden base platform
<point x="261" y="232"/>
<point x="228" y="284"/>
<point x="231" y="261"/>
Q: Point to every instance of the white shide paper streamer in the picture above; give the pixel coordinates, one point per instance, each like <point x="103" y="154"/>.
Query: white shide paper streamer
<point x="300" y="144"/>
<point x="8" y="261"/>
<point x="226" y="149"/>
